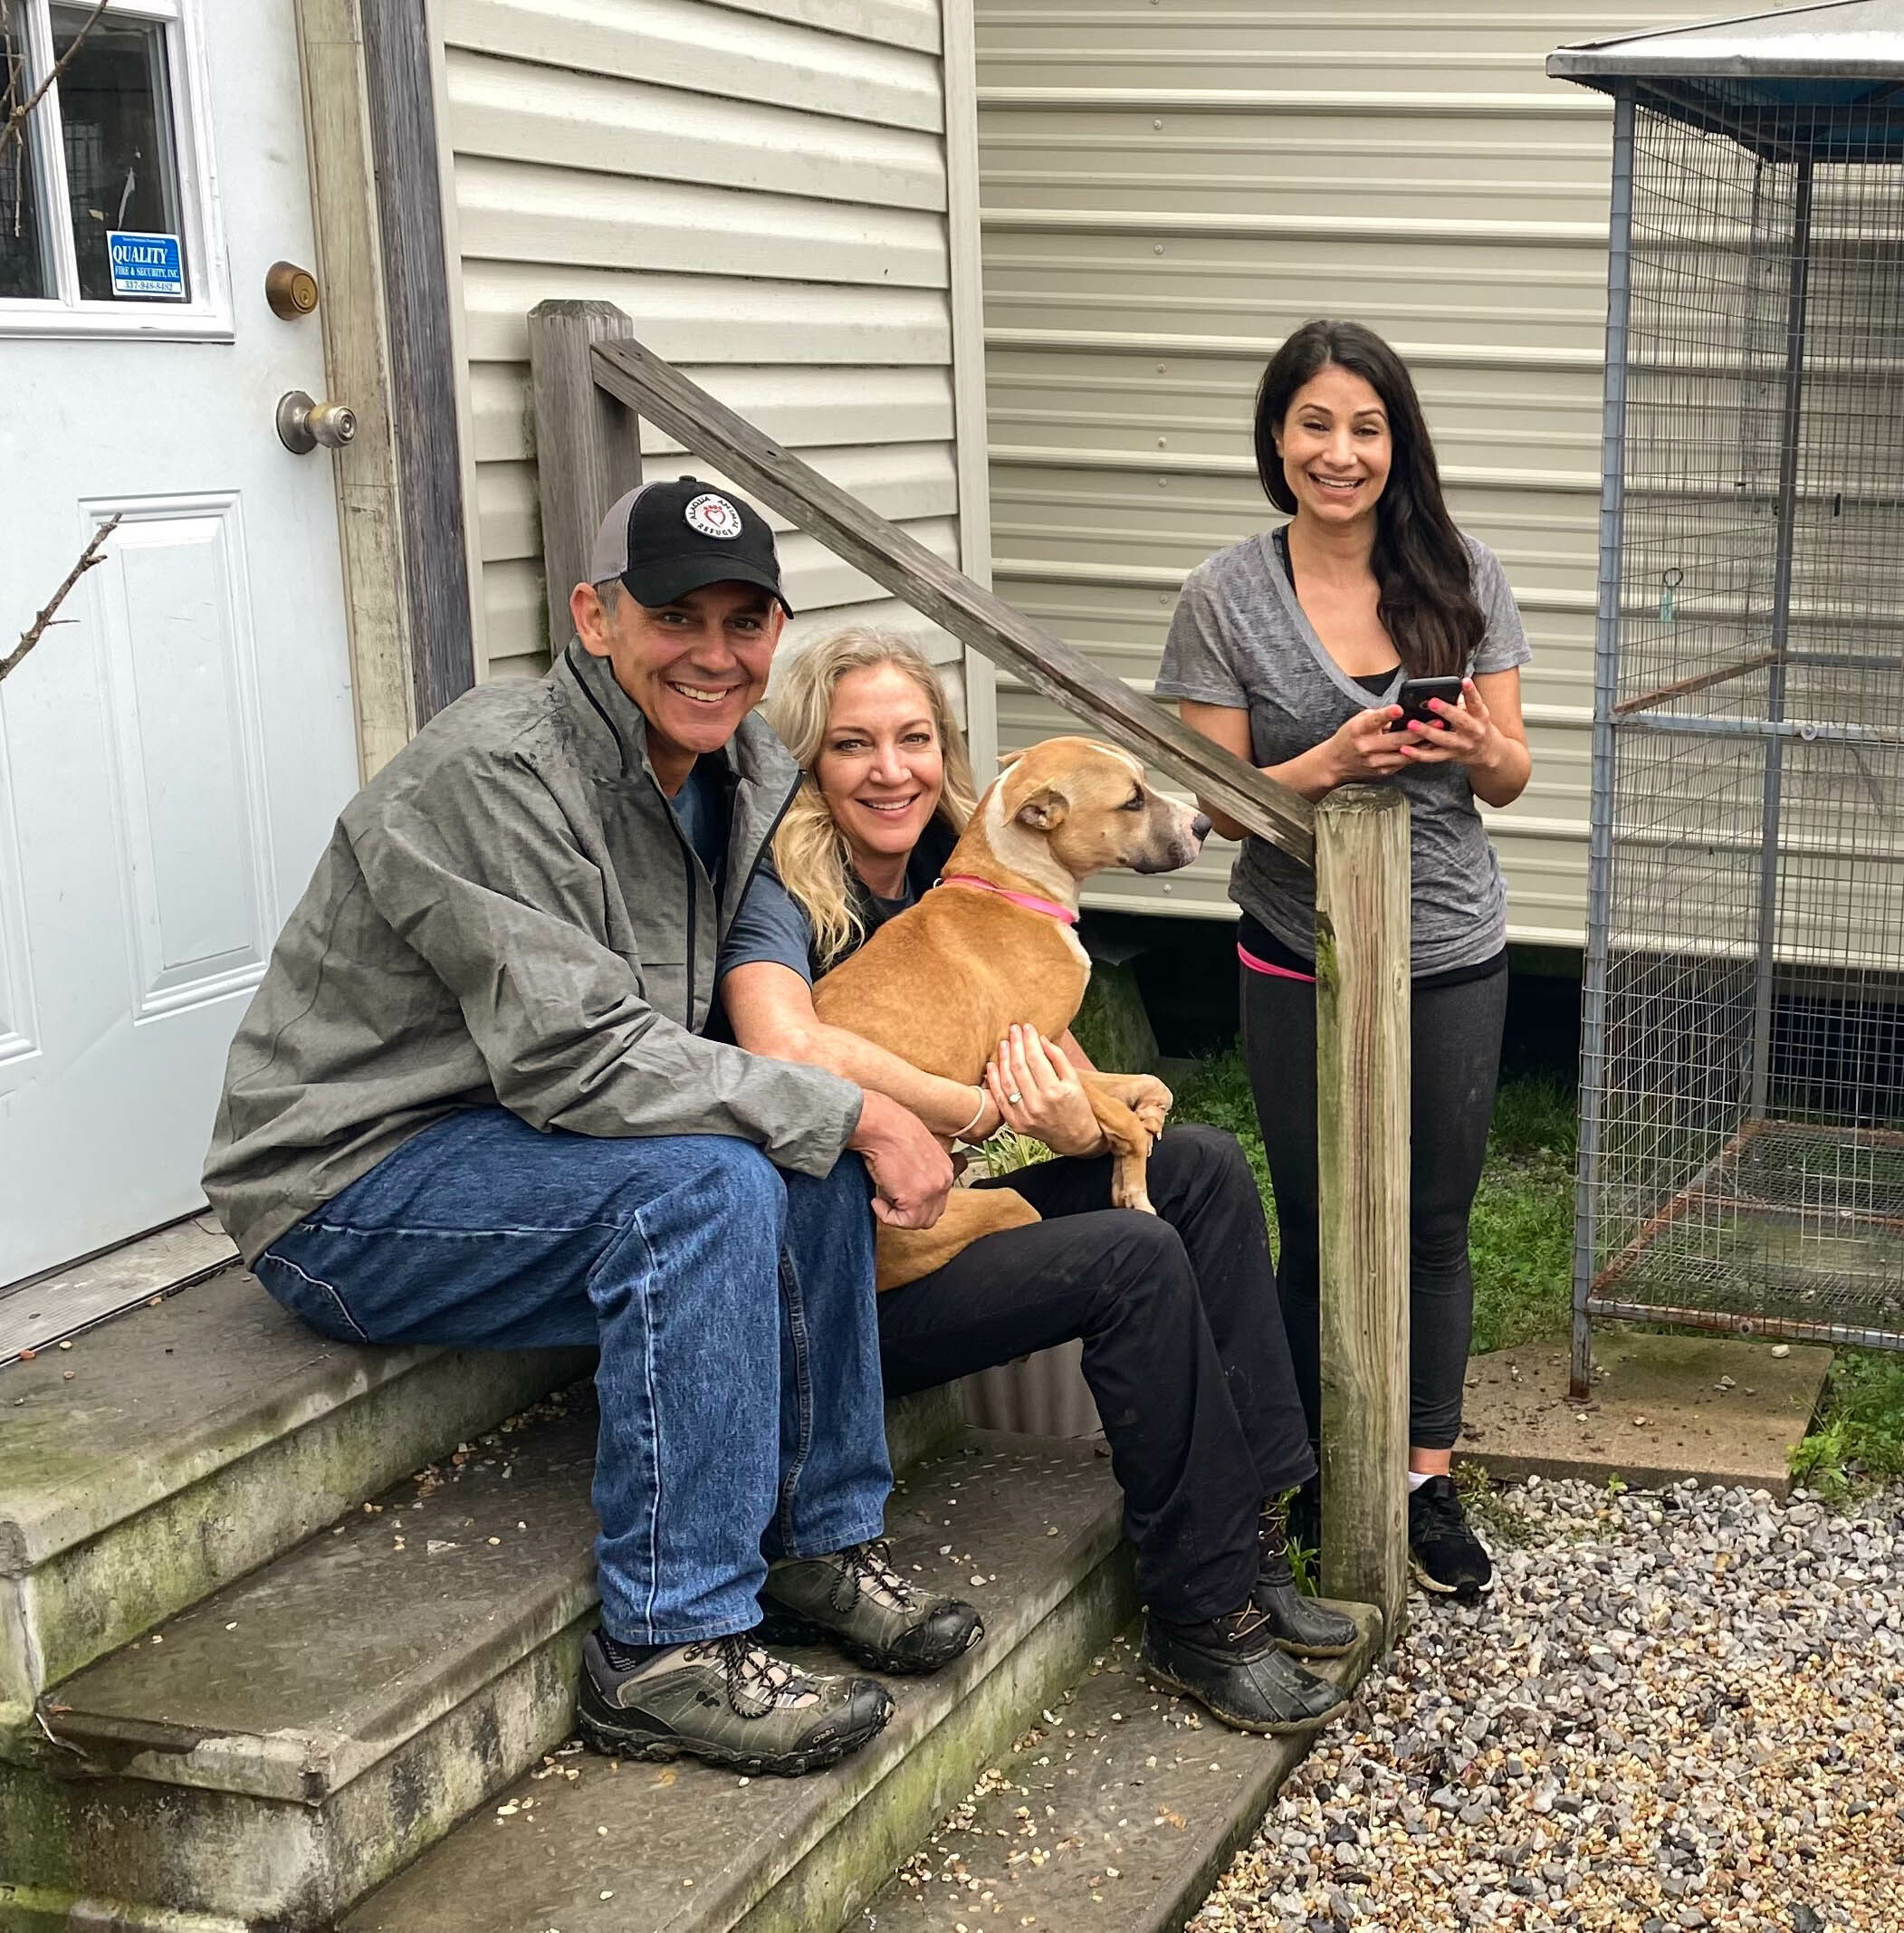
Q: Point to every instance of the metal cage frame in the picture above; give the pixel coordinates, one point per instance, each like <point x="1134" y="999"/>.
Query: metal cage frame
<point x="1808" y="106"/>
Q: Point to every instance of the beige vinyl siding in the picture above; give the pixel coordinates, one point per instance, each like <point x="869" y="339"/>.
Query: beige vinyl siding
<point x="764" y="189"/>
<point x="1167" y="191"/>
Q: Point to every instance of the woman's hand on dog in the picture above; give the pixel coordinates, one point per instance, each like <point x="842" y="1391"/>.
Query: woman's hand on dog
<point x="1038" y="1093"/>
<point x="912" y="1172"/>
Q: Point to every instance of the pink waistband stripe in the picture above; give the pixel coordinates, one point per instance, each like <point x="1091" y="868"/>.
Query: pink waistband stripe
<point x="1049" y="907"/>
<point x="1262" y="966"/>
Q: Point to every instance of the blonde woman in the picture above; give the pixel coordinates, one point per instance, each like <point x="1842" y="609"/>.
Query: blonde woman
<point x="1183" y="1346"/>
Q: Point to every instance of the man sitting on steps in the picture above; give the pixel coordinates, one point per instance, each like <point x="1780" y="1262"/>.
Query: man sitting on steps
<point x="474" y="1103"/>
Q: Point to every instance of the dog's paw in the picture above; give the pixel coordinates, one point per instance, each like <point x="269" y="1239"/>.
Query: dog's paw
<point x="1137" y="1197"/>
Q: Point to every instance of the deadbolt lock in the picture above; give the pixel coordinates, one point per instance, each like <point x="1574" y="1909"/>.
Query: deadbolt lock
<point x="291" y="291"/>
<point x="302" y="423"/>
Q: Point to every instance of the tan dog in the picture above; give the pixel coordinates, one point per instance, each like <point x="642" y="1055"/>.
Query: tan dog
<point x="941" y="984"/>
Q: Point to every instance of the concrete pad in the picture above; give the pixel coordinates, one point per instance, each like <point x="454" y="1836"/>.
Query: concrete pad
<point x="1133" y="1802"/>
<point x="1662" y="1410"/>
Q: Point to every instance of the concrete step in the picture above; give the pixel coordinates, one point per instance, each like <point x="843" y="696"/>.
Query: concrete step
<point x="270" y="1754"/>
<point x="1116" y="1815"/>
<point x="183" y="1444"/>
<point x="591" y="1846"/>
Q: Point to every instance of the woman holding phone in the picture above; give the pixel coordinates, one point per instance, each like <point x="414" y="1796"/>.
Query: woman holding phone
<point x="1299" y="649"/>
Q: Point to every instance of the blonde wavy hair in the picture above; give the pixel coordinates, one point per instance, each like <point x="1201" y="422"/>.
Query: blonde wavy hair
<point x="809" y="851"/>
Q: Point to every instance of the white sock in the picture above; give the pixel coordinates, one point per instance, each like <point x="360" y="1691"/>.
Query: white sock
<point x="1416" y="1478"/>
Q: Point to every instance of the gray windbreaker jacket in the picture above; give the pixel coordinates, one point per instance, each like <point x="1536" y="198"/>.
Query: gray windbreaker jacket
<point x="508" y="912"/>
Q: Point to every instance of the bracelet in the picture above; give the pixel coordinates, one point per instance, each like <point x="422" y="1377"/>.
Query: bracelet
<point x="977" y="1114"/>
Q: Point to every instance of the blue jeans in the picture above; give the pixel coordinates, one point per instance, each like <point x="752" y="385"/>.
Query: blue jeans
<point x="741" y="1412"/>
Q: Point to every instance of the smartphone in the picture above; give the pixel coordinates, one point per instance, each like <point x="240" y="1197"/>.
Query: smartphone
<point x="1414" y="695"/>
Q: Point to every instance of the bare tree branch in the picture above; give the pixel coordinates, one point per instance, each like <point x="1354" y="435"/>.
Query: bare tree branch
<point x="89" y="556"/>
<point x="17" y="118"/>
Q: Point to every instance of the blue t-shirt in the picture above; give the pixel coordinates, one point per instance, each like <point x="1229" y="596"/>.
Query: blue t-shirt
<point x="704" y="808"/>
<point x="766" y="925"/>
<point x="772" y="927"/>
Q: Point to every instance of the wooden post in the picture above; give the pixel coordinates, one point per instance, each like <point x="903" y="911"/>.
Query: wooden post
<point x="356" y="367"/>
<point x="588" y="444"/>
<point x="402" y="111"/>
<point x="1361" y="1085"/>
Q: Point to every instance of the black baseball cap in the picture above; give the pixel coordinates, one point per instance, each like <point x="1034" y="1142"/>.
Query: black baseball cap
<point x="665" y="540"/>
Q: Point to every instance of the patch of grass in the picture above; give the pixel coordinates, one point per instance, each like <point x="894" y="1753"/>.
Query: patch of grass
<point x="1217" y="1094"/>
<point x="1533" y="1116"/>
<point x="1858" y="1438"/>
<point x="1522" y="1234"/>
<point x="1008" y="1150"/>
<point x="1304" y="1562"/>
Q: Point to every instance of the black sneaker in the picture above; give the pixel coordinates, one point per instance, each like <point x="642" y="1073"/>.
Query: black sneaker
<point x="1300" y="1625"/>
<point x="1232" y="1668"/>
<point x="1444" y="1553"/>
<point x="860" y="1603"/>
<point x="727" y="1702"/>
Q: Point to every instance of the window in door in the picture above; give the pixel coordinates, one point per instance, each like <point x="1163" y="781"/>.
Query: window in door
<point x="101" y="191"/>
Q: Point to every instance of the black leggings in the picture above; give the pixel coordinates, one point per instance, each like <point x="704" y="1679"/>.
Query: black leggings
<point x="1183" y="1349"/>
<point x="1456" y="1046"/>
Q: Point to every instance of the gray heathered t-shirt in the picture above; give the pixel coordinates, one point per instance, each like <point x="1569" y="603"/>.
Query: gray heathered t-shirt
<point x="1240" y="639"/>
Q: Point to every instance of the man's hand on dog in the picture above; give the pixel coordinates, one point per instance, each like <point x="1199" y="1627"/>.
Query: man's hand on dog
<point x="1037" y="1092"/>
<point x="912" y="1172"/>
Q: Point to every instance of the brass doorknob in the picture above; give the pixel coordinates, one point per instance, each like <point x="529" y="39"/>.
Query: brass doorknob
<point x="302" y="423"/>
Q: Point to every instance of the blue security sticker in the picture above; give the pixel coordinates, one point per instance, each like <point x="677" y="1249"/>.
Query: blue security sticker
<point x="146" y="265"/>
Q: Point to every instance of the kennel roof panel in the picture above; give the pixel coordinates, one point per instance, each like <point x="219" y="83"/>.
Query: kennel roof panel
<point x="1823" y="78"/>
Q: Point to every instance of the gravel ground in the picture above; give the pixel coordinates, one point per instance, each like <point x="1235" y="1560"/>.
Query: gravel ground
<point x="1677" y="1710"/>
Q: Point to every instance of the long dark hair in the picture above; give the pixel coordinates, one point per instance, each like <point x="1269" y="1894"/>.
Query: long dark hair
<point x="1421" y="566"/>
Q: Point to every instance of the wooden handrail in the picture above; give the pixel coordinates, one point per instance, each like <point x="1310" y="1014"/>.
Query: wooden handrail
<point x="889" y="556"/>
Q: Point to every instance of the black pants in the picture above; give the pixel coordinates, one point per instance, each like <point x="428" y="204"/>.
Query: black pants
<point x="1455" y="1040"/>
<point x="1183" y="1349"/>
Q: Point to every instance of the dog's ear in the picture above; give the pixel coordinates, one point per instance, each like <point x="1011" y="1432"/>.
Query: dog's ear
<point x="1010" y="757"/>
<point x="1043" y="811"/>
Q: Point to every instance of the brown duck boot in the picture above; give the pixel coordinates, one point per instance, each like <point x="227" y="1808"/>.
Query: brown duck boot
<point x="1232" y="1668"/>
<point x="1298" y="1623"/>
<point x="856" y="1600"/>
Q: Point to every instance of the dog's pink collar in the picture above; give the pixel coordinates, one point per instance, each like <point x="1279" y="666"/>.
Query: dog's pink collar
<point x="1050" y="908"/>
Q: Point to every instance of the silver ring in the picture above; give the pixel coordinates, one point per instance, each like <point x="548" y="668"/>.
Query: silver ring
<point x="1017" y="1100"/>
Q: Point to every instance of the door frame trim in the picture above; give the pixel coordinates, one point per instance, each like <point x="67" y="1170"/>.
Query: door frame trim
<point x="370" y="118"/>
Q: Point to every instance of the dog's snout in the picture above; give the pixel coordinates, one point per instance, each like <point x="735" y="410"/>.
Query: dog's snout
<point x="1200" y="828"/>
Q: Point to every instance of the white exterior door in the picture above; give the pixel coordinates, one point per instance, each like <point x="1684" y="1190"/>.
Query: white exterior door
<point x="171" y="758"/>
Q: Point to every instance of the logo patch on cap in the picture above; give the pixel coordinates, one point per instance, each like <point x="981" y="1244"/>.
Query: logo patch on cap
<point x="713" y="516"/>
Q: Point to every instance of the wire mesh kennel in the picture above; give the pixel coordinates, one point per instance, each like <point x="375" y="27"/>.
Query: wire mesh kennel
<point x="1742" y="1116"/>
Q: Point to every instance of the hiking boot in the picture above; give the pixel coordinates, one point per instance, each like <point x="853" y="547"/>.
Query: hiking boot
<point x="1444" y="1553"/>
<point x="857" y="1601"/>
<point x="1232" y="1668"/>
<point x="1298" y="1624"/>
<point x="725" y="1700"/>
